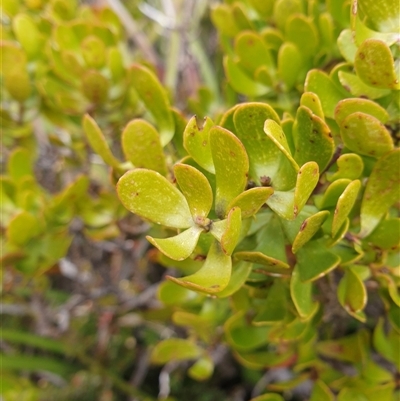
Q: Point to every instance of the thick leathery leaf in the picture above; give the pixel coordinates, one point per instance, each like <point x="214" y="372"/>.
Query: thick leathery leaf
<point x="13" y="58"/>
<point x="302" y="296"/>
<point x="231" y="167"/>
<point x="349" y="106"/>
<point x="332" y="193"/>
<point x="265" y="157"/>
<point x="283" y="9"/>
<point x="312" y="139"/>
<point x="22" y="227"/>
<point x="351" y="394"/>
<point x="18" y="85"/>
<point x="321" y="84"/>
<point x="231" y="234"/>
<point x="268" y="397"/>
<point x="196" y="189"/>
<point x="252" y="51"/>
<point x="239" y="13"/>
<point x="93" y="52"/>
<point x="289" y="204"/>
<point x="155" y="99"/>
<point x="301" y="31"/>
<point x="346" y="45"/>
<point x="350" y="166"/>
<point x="289" y="64"/>
<point x="151" y="196"/>
<point x="19" y="164"/>
<point x="383" y="16"/>
<point x="251" y="201"/>
<point x="28" y="34"/>
<point x="175" y="349"/>
<point x="321" y="392"/>
<point x="213" y="276"/>
<point x="386" y="235"/>
<point x="311" y="101"/>
<point x="179" y="247"/>
<point x="381" y="192"/>
<point x="358" y="88"/>
<point x="197" y="144"/>
<point x="265" y="359"/>
<point x="142" y="147"/>
<point x="269" y="264"/>
<point x="352" y="293"/>
<point x="344" y="205"/>
<point x="240" y="272"/>
<point x="315" y="261"/>
<point x="365" y="135"/>
<point x="202" y="369"/>
<point x="241" y="82"/>
<point x="98" y="141"/>
<point x="308" y="228"/>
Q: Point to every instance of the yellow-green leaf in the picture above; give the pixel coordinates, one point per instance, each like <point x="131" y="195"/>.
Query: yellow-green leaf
<point x="175" y="349"/>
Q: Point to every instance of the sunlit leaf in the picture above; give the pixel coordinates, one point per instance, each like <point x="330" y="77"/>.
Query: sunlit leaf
<point x="289" y="64"/>
<point x="142" y="147"/>
<point x="312" y="102"/>
<point x="98" y="142"/>
<point x="231" y="234"/>
<point x="344" y="205"/>
<point x="213" y="276"/>
<point x="231" y="167"/>
<point x="383" y="16"/>
<point x="22" y="228"/>
<point x="321" y="392"/>
<point x="386" y="235"/>
<point x="179" y="247"/>
<point x="151" y="196"/>
<point x="381" y="191"/>
<point x="196" y="189"/>
<point x="222" y="18"/>
<point x="350" y="166"/>
<point x="28" y="34"/>
<point x="155" y="99"/>
<point x="352" y="293"/>
<point x="202" y="369"/>
<point x="240" y="272"/>
<point x="170" y="293"/>
<point x="347" y="46"/>
<point x="196" y="142"/>
<point x="283" y="9"/>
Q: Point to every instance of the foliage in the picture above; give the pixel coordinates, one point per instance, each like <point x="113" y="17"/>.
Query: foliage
<point x="277" y="219"/>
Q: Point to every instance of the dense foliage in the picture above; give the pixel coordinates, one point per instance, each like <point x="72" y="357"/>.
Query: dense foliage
<point x="275" y="218"/>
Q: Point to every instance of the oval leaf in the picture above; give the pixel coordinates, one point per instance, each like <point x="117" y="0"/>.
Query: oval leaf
<point x="151" y="196"/>
<point x="350" y="166"/>
<point x="175" y="349"/>
<point x="352" y="293"/>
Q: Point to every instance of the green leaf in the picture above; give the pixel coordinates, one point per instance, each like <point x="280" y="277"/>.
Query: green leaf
<point x="155" y="99"/>
<point x="312" y="102"/>
<point x="351" y="394"/>
<point x="142" y="147"/>
<point x="312" y="138"/>
<point x="365" y="135"/>
<point x="240" y="272"/>
<point x="98" y="141"/>
<point x="321" y="392"/>
<point x="289" y="64"/>
<point x="315" y="261"/>
<point x="179" y="247"/>
<point x="302" y="32"/>
<point x="213" y="276"/>
<point x="251" y="201"/>
<point x="322" y="85"/>
<point x="350" y="166"/>
<point x="344" y="205"/>
<point x="27" y="34"/>
<point x="386" y="235"/>
<point x="346" y="45"/>
<point x="18" y="85"/>
<point x="302" y="296"/>
<point x="349" y="106"/>
<point x="358" y="88"/>
<point x="13" y="58"/>
<point x="231" y="167"/>
<point x="240" y="14"/>
<point x="151" y="196"/>
<point x="386" y="345"/>
<point x="223" y="20"/>
<point x="263" y="8"/>
<point x="19" y="164"/>
<point x="283" y="9"/>
<point x="241" y="82"/>
<point x="272" y="37"/>
<point x="95" y="87"/>
<point x="268" y="264"/>
<point x="252" y="52"/>
<point x="196" y="189"/>
<point x="202" y="369"/>
<point x="23" y="227"/>
<point x="381" y="191"/>
<point x="308" y="229"/>
<point x="332" y="193"/>
<point x="352" y="293"/>
<point x="230" y="237"/>
<point x="170" y="293"/>
<point x="175" y="349"/>
<point x="384" y="16"/>
<point x="196" y="142"/>
<point x="289" y="204"/>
